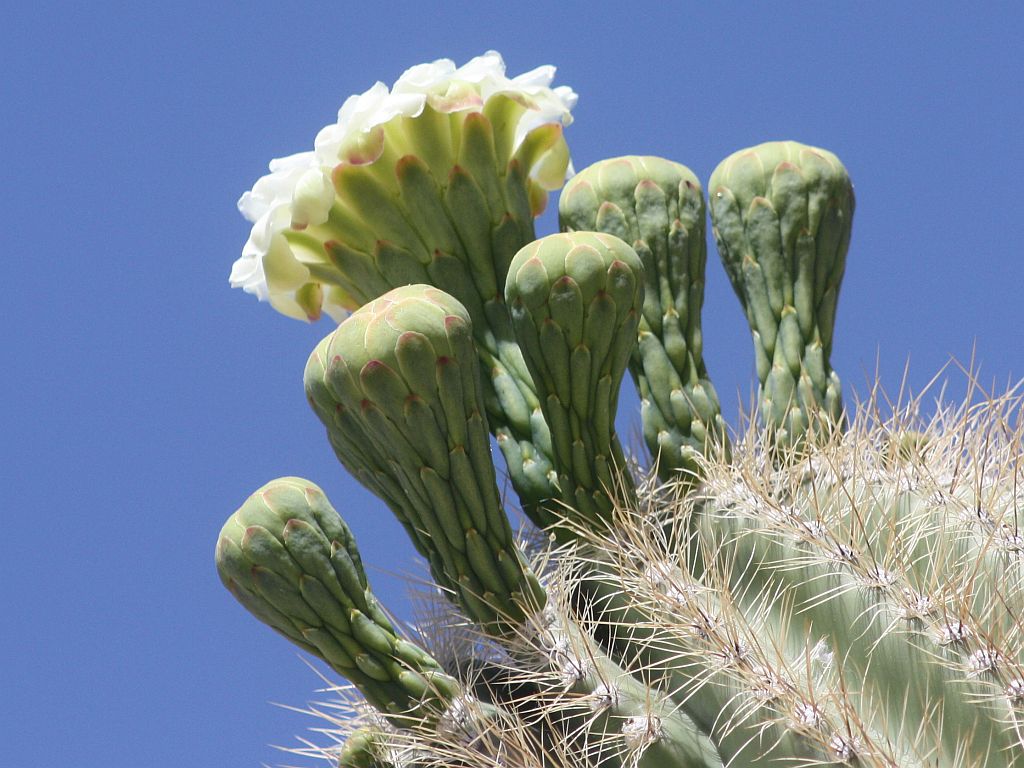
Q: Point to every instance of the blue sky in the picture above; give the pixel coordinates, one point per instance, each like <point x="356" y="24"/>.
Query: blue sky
<point x="144" y="400"/>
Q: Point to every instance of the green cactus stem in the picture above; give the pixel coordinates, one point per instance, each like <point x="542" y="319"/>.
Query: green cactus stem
<point x="898" y="581"/>
<point x="782" y="214"/>
<point x="679" y="641"/>
<point x="657" y="206"/>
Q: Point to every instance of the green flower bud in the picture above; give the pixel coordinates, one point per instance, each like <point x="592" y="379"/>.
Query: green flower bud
<point x="782" y="214"/>
<point x="398" y="388"/>
<point x="657" y="207"/>
<point x="290" y="559"/>
<point x="575" y="301"/>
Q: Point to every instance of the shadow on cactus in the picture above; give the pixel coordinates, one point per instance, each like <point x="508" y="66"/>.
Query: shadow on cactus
<point x="832" y="587"/>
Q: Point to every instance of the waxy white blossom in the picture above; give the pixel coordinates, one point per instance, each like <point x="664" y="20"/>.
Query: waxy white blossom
<point x="295" y="194"/>
<point x="298" y="193"/>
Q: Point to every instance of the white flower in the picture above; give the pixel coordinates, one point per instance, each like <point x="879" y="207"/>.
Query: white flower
<point x="298" y="193"/>
<point x="276" y="187"/>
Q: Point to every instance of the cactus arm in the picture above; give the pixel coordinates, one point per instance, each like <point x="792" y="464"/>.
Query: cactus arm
<point x="657" y="206"/>
<point x="608" y="714"/>
<point x="892" y="588"/>
<point x="771" y="678"/>
<point x="686" y="652"/>
<point x="894" y="568"/>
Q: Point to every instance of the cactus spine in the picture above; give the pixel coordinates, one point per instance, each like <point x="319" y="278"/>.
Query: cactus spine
<point x="829" y="589"/>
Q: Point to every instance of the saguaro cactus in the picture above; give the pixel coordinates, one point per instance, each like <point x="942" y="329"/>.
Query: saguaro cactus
<point x="831" y="589"/>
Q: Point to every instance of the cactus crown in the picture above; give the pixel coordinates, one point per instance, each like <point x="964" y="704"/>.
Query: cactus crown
<point x="831" y="588"/>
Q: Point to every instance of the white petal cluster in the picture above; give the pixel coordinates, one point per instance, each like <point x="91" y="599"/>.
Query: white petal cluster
<point x="447" y="88"/>
<point x="278" y="201"/>
<point x="298" y="192"/>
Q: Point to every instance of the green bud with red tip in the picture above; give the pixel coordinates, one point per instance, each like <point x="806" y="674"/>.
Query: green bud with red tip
<point x="657" y="206"/>
<point x="575" y="301"/>
<point x="782" y="214"/>
<point x="398" y="387"/>
<point x="290" y="559"/>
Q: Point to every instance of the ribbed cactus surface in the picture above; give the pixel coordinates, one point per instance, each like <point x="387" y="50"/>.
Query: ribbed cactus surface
<point x="830" y="588"/>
